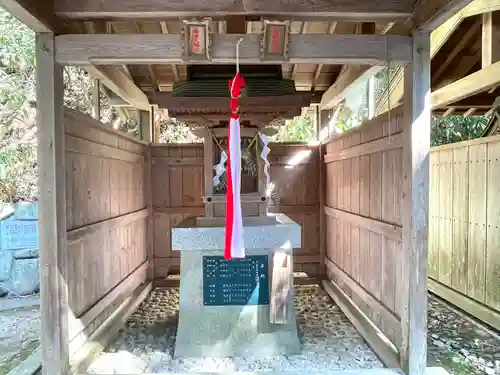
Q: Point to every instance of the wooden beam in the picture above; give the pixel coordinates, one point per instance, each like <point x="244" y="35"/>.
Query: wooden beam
<point x="52" y="209"/>
<point x="377" y="226"/>
<point x="106" y="49"/>
<point x="480" y="7"/>
<point x="430" y="14"/>
<point x="347" y="79"/>
<point x="341" y="10"/>
<point x="256" y="103"/>
<point x="470" y="32"/>
<point x="490" y="47"/>
<point x="473" y="84"/>
<point x="120" y="83"/>
<point x="37" y="15"/>
<point x="415" y="209"/>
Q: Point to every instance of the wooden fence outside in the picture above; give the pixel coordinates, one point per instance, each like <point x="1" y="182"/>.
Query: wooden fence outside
<point x="177" y="185"/>
<point x="464" y="228"/>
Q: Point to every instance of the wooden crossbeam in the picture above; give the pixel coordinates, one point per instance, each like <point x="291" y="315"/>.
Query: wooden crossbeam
<point x="120" y="83"/>
<point x="342" y="10"/>
<point x="166" y="100"/>
<point x="158" y="49"/>
<point x="482" y="80"/>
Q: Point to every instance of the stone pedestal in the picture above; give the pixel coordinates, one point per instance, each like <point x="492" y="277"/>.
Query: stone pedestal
<point x="224" y="307"/>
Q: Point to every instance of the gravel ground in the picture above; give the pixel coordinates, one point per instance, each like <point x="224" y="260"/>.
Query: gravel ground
<point x="460" y="345"/>
<point x="328" y="339"/>
<point x="19" y="336"/>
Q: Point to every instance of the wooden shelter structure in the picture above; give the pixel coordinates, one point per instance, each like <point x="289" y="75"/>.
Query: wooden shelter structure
<point x="465" y="63"/>
<point x="107" y="200"/>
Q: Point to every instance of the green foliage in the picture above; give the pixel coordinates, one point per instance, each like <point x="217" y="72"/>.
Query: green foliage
<point x="451" y="129"/>
<point x="173" y="131"/>
<point x="17" y="112"/>
<point x="301" y="128"/>
<point x="18" y="167"/>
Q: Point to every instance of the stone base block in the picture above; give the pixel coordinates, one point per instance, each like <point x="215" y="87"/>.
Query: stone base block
<point x="220" y="331"/>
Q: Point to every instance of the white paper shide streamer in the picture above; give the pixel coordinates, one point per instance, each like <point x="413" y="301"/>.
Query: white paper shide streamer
<point x="263" y="155"/>
<point x="219" y="168"/>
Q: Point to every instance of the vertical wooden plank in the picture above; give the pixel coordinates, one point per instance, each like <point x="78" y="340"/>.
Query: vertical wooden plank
<point x="417" y="112"/>
<point x="346" y="226"/>
<point x="324" y="186"/>
<point x="434" y="215"/>
<point x="493" y="220"/>
<point x="69" y="190"/>
<point x="364" y="210"/>
<point x="148" y="179"/>
<point x="355" y="260"/>
<point x="478" y="198"/>
<point x="445" y="215"/>
<point x="52" y="209"/>
<point x="460" y="218"/>
<point x="375" y="270"/>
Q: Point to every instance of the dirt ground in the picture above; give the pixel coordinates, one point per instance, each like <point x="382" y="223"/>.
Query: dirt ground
<point x="19" y="336"/>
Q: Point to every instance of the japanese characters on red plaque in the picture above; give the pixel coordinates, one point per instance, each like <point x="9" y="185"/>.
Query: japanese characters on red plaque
<point x="275" y="41"/>
<point x="197" y="40"/>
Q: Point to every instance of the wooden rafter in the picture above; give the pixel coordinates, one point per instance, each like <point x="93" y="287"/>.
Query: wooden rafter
<point x="155" y="48"/>
<point x="295" y="67"/>
<point x="455" y="50"/>
<point x="482" y="80"/>
<point x="317" y="72"/>
<point x="439" y="37"/>
<point x="152" y="74"/>
<point x="341" y="10"/>
<point x="430" y="14"/>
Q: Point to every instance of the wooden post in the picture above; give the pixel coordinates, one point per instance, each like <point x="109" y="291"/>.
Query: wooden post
<point x="416" y="133"/>
<point x="145" y="123"/>
<point x="322" y="121"/>
<point x="96" y="100"/>
<point x="208" y="157"/>
<point x="52" y="209"/>
<point x="490" y="49"/>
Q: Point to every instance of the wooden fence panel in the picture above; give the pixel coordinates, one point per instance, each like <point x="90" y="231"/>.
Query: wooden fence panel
<point x="464" y="238"/>
<point x="178" y="187"/>
<point x="363" y="203"/>
<point x="106" y="221"/>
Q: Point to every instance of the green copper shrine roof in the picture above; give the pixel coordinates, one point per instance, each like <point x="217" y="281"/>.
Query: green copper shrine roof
<point x="219" y="87"/>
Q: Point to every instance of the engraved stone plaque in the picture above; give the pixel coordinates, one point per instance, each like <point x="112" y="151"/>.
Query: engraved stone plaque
<point x="235" y="282"/>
